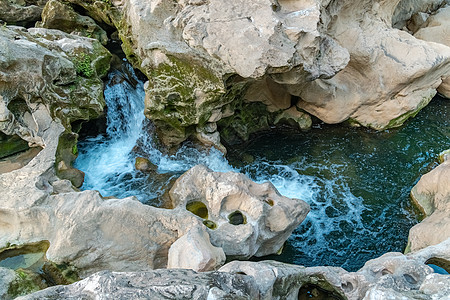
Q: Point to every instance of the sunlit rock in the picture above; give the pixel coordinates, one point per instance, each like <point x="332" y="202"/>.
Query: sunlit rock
<point x="7" y="276"/>
<point x="432" y="195"/>
<point x="157" y="284"/>
<point x="437" y="29"/>
<point x="243" y="217"/>
<point x="194" y="251"/>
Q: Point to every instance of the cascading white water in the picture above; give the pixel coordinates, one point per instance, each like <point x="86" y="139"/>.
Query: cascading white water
<point x="108" y="160"/>
<point x="353" y="180"/>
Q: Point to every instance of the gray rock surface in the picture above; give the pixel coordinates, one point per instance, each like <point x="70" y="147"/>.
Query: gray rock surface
<point x="6" y="277"/>
<point x="392" y="276"/>
<point x="158" y="284"/>
<point x="194" y="251"/>
<point x="245" y="218"/>
<point x="21" y="12"/>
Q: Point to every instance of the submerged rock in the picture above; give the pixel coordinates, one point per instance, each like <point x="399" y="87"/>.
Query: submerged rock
<point x="249" y="218"/>
<point x="144" y="164"/>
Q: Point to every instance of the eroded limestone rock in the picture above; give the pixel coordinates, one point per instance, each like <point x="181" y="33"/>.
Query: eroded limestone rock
<point x="340" y="59"/>
<point x="158" y="284"/>
<point x="244" y="218"/>
<point x="437" y="29"/>
<point x="392" y="276"/>
<point x="193" y="47"/>
<point x="432" y="195"/>
<point x="61" y="16"/>
<point x="194" y="251"/>
<point x="380" y="87"/>
<point x="48" y="72"/>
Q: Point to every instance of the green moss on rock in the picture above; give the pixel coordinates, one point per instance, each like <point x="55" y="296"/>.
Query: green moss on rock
<point x="182" y="92"/>
<point x="10" y="145"/>
<point x="411" y="114"/>
<point x="26" y="282"/>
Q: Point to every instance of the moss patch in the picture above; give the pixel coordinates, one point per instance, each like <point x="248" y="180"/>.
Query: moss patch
<point x="25" y="283"/>
<point x="10" y="145"/>
<point x="198" y="208"/>
<point x="411" y="114"/>
<point x="182" y="93"/>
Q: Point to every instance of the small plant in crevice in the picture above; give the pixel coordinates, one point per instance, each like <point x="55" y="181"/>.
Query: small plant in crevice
<point x="83" y="65"/>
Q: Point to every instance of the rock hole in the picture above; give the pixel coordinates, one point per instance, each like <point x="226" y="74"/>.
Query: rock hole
<point x="385" y="272"/>
<point x="23" y="256"/>
<point x="198" y="208"/>
<point x="312" y="291"/>
<point x="269" y="201"/>
<point x="237" y="218"/>
<point x="210" y="224"/>
<point x="241" y="273"/>
<point x="410" y="279"/>
<point x="275" y="7"/>
<point x="439" y="265"/>
<point x="294" y="100"/>
<point x="347" y="286"/>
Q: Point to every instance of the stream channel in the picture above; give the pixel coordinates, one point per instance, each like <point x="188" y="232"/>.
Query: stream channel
<point x="357" y="181"/>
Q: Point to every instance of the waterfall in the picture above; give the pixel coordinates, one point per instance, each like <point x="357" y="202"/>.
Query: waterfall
<point x="356" y="182"/>
<point x="108" y="159"/>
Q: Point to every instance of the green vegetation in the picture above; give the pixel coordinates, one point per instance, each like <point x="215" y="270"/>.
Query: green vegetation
<point x="83" y="65"/>
<point x="25" y="283"/>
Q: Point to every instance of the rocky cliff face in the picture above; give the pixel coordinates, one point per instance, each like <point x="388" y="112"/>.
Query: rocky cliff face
<point x="335" y="60"/>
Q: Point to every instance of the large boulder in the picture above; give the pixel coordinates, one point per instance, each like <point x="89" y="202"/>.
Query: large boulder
<point x="380" y="87"/>
<point x="48" y="70"/>
<point x="47" y="74"/>
<point x="432" y="195"/>
<point x="437" y="29"/>
<point x="243" y="217"/>
<point x="21" y="12"/>
<point x="61" y="16"/>
<point x="158" y="284"/>
<point x="336" y="60"/>
<point x="194" y="48"/>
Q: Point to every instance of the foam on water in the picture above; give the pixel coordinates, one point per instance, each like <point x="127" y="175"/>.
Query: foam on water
<point x="354" y="182"/>
<point x="108" y="159"/>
